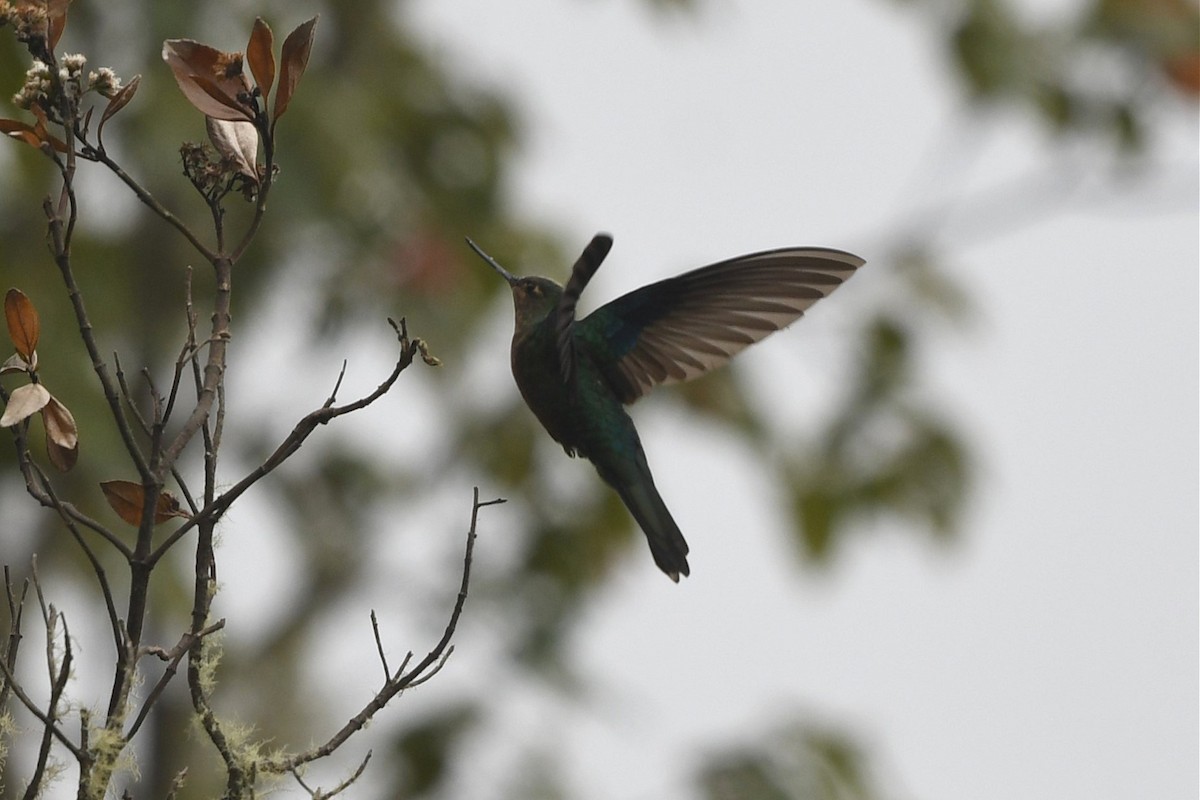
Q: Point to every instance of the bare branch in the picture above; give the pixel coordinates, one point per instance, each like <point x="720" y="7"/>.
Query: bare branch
<point x="97" y="568"/>
<point x="58" y="684"/>
<point x="317" y="794"/>
<point x="387" y="675"/>
<point x="409" y="348"/>
<point x="401" y="680"/>
<point x="60" y="245"/>
<point x="151" y="202"/>
<point x="16" y="607"/>
<point x="48" y="717"/>
<point x="186" y="643"/>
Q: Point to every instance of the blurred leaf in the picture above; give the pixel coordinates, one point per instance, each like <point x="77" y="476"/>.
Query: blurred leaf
<point x="34" y="136"/>
<point x="422" y="755"/>
<point x="797" y="762"/>
<point x="24" y="328"/>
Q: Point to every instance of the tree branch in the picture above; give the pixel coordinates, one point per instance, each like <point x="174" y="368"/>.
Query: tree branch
<point x="401" y="680"/>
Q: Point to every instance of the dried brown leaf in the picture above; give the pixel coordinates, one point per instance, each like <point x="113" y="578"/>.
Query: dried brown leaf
<point x="62" y="435"/>
<point x="23" y="325"/>
<point x="30" y="135"/>
<point x="56" y="21"/>
<point x="261" y="58"/>
<point x="41" y="130"/>
<point x="211" y="79"/>
<point x="24" y="402"/>
<point x="128" y="498"/>
<point x="119" y="101"/>
<point x="296" y="49"/>
<point x="21" y="131"/>
<point x="168" y="506"/>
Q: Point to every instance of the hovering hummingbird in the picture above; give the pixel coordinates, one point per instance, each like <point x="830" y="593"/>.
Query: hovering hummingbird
<point x="576" y="375"/>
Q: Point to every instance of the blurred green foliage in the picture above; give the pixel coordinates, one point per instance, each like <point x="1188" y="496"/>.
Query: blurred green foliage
<point x="381" y="179"/>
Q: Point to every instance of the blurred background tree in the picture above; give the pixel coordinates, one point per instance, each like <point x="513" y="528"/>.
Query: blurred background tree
<point x="390" y="157"/>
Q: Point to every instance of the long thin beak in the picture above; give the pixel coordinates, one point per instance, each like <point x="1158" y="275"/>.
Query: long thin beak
<point x="508" y="276"/>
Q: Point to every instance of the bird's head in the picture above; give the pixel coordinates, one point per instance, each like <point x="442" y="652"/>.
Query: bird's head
<point x="534" y="298"/>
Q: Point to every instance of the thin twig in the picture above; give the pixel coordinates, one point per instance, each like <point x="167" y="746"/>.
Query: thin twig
<point x="387" y="675"/>
<point x="317" y="794"/>
<point x="292" y="443"/>
<point x="97" y="568"/>
<point x="47" y="718"/>
<point x="58" y="684"/>
<point x="402" y="680"/>
<point x="155" y="206"/>
<point x="16" y="610"/>
<point x="186" y="643"/>
<point x="61" y="248"/>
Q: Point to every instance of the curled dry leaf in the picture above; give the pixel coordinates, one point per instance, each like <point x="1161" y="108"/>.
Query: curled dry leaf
<point x="24" y="402"/>
<point x="236" y="141"/>
<point x="15" y="363"/>
<point x="23" y="325"/>
<point x="260" y="56"/>
<point x="119" y="101"/>
<point x="128" y="498"/>
<point x="212" y="80"/>
<point x="62" y="435"/>
<point x="296" y="49"/>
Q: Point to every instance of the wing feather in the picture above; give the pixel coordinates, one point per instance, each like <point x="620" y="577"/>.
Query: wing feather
<point x="683" y="327"/>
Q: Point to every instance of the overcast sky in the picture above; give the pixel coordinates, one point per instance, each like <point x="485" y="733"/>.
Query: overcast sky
<point x="1052" y="653"/>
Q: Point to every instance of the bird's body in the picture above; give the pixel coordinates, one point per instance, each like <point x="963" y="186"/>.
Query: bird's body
<point x="577" y="375"/>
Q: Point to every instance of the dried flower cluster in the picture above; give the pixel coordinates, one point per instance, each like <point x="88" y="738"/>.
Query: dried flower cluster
<point x="39" y="83"/>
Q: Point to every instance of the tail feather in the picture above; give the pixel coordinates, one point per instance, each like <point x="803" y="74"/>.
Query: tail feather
<point x="667" y="544"/>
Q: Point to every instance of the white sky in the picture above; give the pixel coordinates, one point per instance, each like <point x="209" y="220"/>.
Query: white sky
<point x="1053" y="653"/>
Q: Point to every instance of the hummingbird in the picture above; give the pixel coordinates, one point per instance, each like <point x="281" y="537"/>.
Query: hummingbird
<point x="577" y="375"/>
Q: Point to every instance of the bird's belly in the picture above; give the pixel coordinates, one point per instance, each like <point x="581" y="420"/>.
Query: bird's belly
<point x="584" y="419"/>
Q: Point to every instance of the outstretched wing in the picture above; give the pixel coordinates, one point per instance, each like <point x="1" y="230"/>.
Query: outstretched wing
<point x="564" y="314"/>
<point x="682" y="327"/>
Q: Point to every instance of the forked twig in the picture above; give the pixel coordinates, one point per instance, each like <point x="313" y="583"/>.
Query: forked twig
<point x="401" y="679"/>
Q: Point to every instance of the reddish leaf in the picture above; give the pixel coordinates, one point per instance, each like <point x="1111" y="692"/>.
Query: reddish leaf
<point x="23" y="325"/>
<point x="56" y="21"/>
<point x="40" y="129"/>
<point x="262" y="59"/>
<point x="24" y="402"/>
<point x="211" y="80"/>
<point x="21" y="131"/>
<point x="34" y="137"/>
<point x="296" y="49"/>
<point x="119" y="101"/>
<point x="128" y="498"/>
<point x="62" y="436"/>
<point x="1183" y="70"/>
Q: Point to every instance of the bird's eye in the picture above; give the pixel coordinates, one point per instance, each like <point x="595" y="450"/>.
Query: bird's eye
<point x="535" y="290"/>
